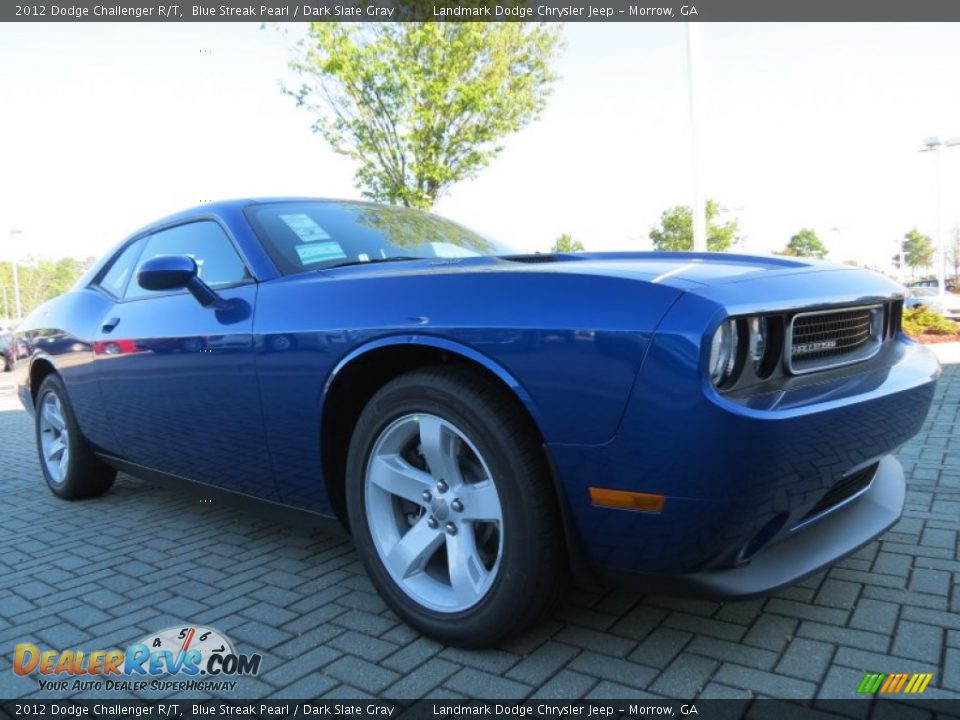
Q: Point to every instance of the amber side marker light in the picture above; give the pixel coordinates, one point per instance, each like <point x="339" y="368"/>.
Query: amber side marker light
<point x="624" y="500"/>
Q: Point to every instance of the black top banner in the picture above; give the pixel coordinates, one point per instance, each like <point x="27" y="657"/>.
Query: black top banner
<point x="481" y="11"/>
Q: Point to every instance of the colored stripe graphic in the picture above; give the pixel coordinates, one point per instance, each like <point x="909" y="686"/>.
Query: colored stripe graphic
<point x="891" y="683"/>
<point x="894" y="683"/>
<point x="918" y="683"/>
<point x="871" y="682"/>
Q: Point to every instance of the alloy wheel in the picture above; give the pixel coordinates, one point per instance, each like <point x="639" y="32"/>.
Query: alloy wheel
<point x="54" y="437"/>
<point x="434" y="513"/>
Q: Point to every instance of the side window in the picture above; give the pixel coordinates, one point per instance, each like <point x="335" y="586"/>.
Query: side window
<point x="217" y="261"/>
<point x="115" y="279"/>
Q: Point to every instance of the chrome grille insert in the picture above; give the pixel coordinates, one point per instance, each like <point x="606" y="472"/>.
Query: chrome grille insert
<point x="830" y="338"/>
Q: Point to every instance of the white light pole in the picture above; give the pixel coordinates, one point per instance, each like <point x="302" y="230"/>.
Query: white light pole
<point x="936" y="145"/>
<point x="693" y="83"/>
<point x="16" y="280"/>
<point x="902" y="262"/>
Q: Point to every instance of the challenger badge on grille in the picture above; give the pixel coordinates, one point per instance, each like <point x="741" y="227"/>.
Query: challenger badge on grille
<point x="807" y="348"/>
<point x="828" y="338"/>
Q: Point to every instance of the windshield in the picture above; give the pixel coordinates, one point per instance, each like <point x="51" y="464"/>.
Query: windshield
<point x="314" y="235"/>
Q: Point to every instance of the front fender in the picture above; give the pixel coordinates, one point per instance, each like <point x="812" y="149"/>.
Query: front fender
<point x="448" y="345"/>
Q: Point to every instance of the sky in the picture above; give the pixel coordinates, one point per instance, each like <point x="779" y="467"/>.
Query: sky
<point x="106" y="127"/>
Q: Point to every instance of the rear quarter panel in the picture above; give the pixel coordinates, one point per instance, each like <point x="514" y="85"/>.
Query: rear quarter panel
<point x="61" y="332"/>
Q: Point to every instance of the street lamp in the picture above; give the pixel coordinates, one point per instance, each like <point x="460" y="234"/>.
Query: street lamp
<point x="935" y="145"/>
<point x="16" y="280"/>
<point x="693" y="89"/>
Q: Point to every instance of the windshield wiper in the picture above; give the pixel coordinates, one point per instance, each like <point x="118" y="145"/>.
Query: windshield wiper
<point x="372" y="261"/>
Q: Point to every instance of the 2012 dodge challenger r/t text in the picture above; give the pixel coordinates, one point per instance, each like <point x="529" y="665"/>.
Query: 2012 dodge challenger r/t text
<point x="486" y="422"/>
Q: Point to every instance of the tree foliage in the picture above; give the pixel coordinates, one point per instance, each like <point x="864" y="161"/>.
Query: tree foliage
<point x="40" y="280"/>
<point x="421" y="106"/>
<point x="921" y="320"/>
<point x="566" y="244"/>
<point x="805" y="244"/>
<point x="675" y="232"/>
<point x="918" y="249"/>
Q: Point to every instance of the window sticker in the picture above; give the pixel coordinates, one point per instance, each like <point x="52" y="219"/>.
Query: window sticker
<point x="320" y="251"/>
<point x="305" y="227"/>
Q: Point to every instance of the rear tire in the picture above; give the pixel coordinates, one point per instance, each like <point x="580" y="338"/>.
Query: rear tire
<point x="69" y="466"/>
<point x="452" y="509"/>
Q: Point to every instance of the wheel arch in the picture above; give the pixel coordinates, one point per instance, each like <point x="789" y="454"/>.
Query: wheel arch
<point x="40" y="368"/>
<point x="358" y="376"/>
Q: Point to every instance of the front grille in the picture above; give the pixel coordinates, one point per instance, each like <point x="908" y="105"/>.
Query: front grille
<point x="828" y="338"/>
<point x="845" y="489"/>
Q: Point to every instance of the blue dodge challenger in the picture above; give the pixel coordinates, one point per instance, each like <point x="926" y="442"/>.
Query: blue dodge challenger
<point x="488" y="423"/>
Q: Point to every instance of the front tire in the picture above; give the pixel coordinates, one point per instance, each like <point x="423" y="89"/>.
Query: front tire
<point x="451" y="507"/>
<point x="69" y="466"/>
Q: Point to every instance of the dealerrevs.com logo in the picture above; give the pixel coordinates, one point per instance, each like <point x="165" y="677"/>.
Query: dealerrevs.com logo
<point x="202" y="657"/>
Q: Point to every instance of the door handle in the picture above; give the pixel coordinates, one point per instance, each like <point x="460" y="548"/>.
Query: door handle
<point x="110" y="324"/>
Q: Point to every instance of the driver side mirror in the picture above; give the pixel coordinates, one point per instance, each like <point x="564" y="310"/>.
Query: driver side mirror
<point x="174" y="272"/>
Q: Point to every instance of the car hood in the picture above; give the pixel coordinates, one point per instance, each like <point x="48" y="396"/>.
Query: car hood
<point x="739" y="282"/>
<point x="684" y="271"/>
<point x="742" y="283"/>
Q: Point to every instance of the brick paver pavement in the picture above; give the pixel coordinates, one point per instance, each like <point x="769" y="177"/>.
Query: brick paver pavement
<point x="106" y="572"/>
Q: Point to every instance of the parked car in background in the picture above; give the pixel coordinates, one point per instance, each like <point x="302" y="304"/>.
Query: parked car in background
<point x="485" y="421"/>
<point x="946" y="304"/>
<point x="21" y="346"/>
<point x="951" y="286"/>
<point x="9" y="349"/>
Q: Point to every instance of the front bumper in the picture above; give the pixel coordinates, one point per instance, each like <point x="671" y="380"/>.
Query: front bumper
<point x="800" y="553"/>
<point x="743" y="479"/>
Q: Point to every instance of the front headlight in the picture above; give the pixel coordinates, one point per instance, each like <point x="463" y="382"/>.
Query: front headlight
<point x="724" y="350"/>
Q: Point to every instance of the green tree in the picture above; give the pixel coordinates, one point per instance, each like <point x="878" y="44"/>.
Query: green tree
<point x="805" y="244"/>
<point x="566" y="244"/>
<point x="421" y="106"/>
<point x="918" y="250"/>
<point x="676" y="230"/>
<point x="40" y="280"/>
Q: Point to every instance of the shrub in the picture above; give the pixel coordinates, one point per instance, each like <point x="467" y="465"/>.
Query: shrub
<point x="921" y="320"/>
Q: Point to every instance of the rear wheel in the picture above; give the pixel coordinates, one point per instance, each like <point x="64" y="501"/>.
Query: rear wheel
<point x="451" y="507"/>
<point x="69" y="466"/>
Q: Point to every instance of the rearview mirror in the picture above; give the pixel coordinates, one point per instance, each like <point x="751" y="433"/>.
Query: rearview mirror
<point x="167" y="272"/>
<point x="174" y="272"/>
